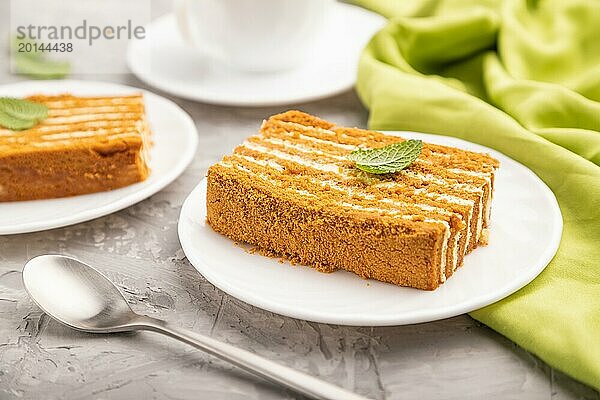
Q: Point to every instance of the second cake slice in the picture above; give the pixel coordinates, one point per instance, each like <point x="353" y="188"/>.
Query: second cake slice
<point x="86" y="145"/>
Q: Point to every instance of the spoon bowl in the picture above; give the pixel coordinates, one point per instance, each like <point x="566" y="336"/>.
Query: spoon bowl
<point x="76" y="294"/>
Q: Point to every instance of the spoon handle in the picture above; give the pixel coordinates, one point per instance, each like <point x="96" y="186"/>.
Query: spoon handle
<point x="295" y="380"/>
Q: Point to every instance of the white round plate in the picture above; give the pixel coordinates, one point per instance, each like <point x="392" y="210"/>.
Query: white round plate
<point x="163" y="61"/>
<point x="175" y="140"/>
<point x="526" y="227"/>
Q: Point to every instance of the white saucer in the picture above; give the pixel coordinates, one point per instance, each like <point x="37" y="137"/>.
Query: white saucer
<point x="525" y="233"/>
<point x="175" y="140"/>
<point x="331" y="69"/>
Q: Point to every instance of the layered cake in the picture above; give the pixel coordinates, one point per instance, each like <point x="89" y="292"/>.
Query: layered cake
<point x="85" y="145"/>
<point x="292" y="191"/>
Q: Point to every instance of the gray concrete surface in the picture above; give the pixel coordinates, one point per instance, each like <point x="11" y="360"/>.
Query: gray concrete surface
<point x="138" y="249"/>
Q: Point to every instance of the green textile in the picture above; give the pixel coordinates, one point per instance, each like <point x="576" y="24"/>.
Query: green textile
<point x="522" y="77"/>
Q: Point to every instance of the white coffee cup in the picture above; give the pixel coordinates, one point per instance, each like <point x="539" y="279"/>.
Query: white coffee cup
<point x="253" y="35"/>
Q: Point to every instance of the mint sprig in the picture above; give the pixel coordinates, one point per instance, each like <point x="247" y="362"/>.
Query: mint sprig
<point x="41" y="68"/>
<point x="389" y="159"/>
<point x="19" y="114"/>
<point x="23" y="109"/>
<point x="35" y="64"/>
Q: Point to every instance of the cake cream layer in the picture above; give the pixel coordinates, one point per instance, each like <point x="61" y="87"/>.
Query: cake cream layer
<point x="87" y="144"/>
<point x="300" y="157"/>
<point x="459" y="164"/>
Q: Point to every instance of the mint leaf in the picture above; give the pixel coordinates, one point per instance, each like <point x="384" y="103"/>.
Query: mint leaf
<point x="41" y="68"/>
<point x="16" y="124"/>
<point x="388" y="159"/>
<point x="35" y="64"/>
<point x="23" y="109"/>
<point x="19" y="114"/>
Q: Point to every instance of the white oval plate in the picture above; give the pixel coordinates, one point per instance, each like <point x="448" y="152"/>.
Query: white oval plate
<point x="175" y="140"/>
<point x="165" y="62"/>
<point x="526" y="228"/>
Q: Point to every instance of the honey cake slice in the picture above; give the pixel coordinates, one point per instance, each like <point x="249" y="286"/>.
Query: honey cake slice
<point x="86" y="145"/>
<point x="291" y="191"/>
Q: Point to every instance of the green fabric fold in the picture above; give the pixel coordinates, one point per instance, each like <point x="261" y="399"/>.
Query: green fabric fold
<point x="522" y="77"/>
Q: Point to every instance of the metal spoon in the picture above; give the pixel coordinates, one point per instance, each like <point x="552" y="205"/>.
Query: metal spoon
<point x="78" y="296"/>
